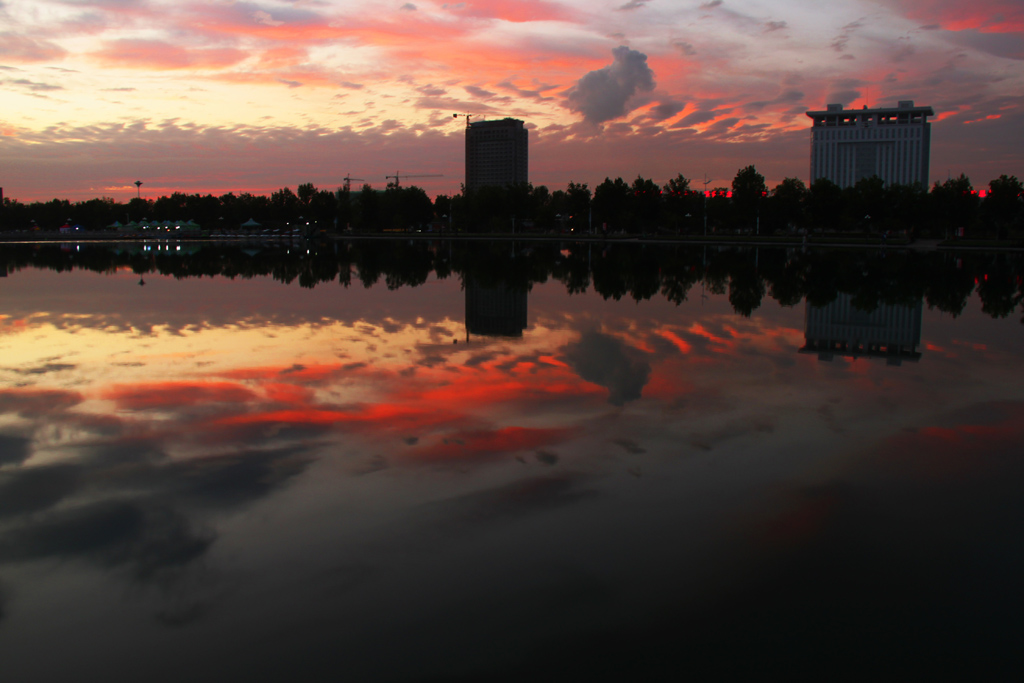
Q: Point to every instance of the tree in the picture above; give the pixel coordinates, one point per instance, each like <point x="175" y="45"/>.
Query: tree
<point x="826" y="204"/>
<point x="611" y="202"/>
<point x="306" y="192"/>
<point x="681" y="206"/>
<point x="284" y="206"/>
<point x="908" y="207"/>
<point x="577" y="206"/>
<point x="954" y="203"/>
<point x="868" y="202"/>
<point x="322" y="208"/>
<point x="748" y="188"/>
<point x="1002" y="206"/>
<point x="368" y="208"/>
<point x="646" y="202"/>
<point x="789" y="203"/>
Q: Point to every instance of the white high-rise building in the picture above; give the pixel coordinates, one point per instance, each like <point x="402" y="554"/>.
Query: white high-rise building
<point x="893" y="143"/>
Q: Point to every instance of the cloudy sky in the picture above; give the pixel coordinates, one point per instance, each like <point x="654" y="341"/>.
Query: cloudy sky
<point x="251" y="96"/>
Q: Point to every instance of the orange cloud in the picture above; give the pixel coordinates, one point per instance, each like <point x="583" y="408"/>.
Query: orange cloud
<point x="154" y="54"/>
<point x="680" y="344"/>
<point x="165" y="395"/>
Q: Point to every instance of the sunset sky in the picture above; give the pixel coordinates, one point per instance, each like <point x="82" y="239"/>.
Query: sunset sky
<point x="252" y="96"/>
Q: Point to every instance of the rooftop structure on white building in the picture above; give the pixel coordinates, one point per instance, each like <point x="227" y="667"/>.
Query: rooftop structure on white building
<point x="893" y="143"/>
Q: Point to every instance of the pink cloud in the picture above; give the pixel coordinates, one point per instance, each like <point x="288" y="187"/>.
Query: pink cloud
<point x="991" y="16"/>
<point x="24" y="49"/>
<point x="518" y="12"/>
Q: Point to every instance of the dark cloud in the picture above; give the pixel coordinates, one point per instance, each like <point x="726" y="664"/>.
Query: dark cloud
<point x="14" y="450"/>
<point x="711" y="4"/>
<point x="737" y="428"/>
<point x="534" y="94"/>
<point x="547" y="457"/>
<point x="632" y="4"/>
<point x="1005" y="45"/>
<point x="31" y="86"/>
<point x="478" y="92"/>
<point x="508" y="501"/>
<point x="844" y="97"/>
<point x="603" y="95"/>
<point x="666" y="110"/>
<point x="843" y="39"/>
<point x="775" y="26"/>
<point x="374" y="464"/>
<point x="787" y="97"/>
<point x="631" y="447"/>
<point x="684" y="47"/>
<point x="606" y="361"/>
<point x="33" y="403"/>
<point x="44" y="369"/>
<point x="112" y="532"/>
<point x="478" y="359"/>
<point x="34" y="489"/>
<point x="696" y="118"/>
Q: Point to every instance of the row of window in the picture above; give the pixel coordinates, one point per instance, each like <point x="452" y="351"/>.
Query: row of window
<point x="899" y="162"/>
<point x="870" y="134"/>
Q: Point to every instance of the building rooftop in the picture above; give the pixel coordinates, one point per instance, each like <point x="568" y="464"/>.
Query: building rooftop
<point x="902" y="107"/>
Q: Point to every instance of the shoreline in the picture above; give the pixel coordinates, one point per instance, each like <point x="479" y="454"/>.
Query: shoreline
<point x="820" y="241"/>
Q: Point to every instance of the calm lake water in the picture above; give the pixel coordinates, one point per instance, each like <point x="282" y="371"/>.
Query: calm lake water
<point x="397" y="461"/>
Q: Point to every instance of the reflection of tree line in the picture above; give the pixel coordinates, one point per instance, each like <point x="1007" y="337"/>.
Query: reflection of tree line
<point x="614" y="271"/>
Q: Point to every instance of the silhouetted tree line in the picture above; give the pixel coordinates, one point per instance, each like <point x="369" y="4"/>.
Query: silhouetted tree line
<point x="641" y="207"/>
<point x="748" y="276"/>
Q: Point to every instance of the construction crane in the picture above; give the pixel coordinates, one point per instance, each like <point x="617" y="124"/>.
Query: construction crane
<point x="468" y="117"/>
<point x="348" y="181"/>
<point x="398" y="176"/>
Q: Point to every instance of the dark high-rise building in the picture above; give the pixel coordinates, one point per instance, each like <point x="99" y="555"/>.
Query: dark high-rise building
<point x="893" y="143"/>
<point x="495" y="311"/>
<point x="496" y="153"/>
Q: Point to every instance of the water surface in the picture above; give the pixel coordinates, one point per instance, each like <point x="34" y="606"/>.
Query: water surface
<point x="414" y="461"/>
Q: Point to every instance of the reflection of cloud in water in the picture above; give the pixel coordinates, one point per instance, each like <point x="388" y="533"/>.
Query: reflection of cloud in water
<point x="631" y="447"/>
<point x="44" y="369"/>
<point x="510" y="501"/>
<point x="140" y="511"/>
<point x="609" y="363"/>
<point x="374" y="464"/>
<point x="547" y="457"/>
<point x="147" y="538"/>
<point x="33" y="403"/>
<point x="14" y="450"/>
<point x="731" y="430"/>
<point x="32" y="489"/>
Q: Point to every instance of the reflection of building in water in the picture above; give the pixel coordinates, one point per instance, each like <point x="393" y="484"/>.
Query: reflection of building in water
<point x="890" y="332"/>
<point x="495" y="311"/>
